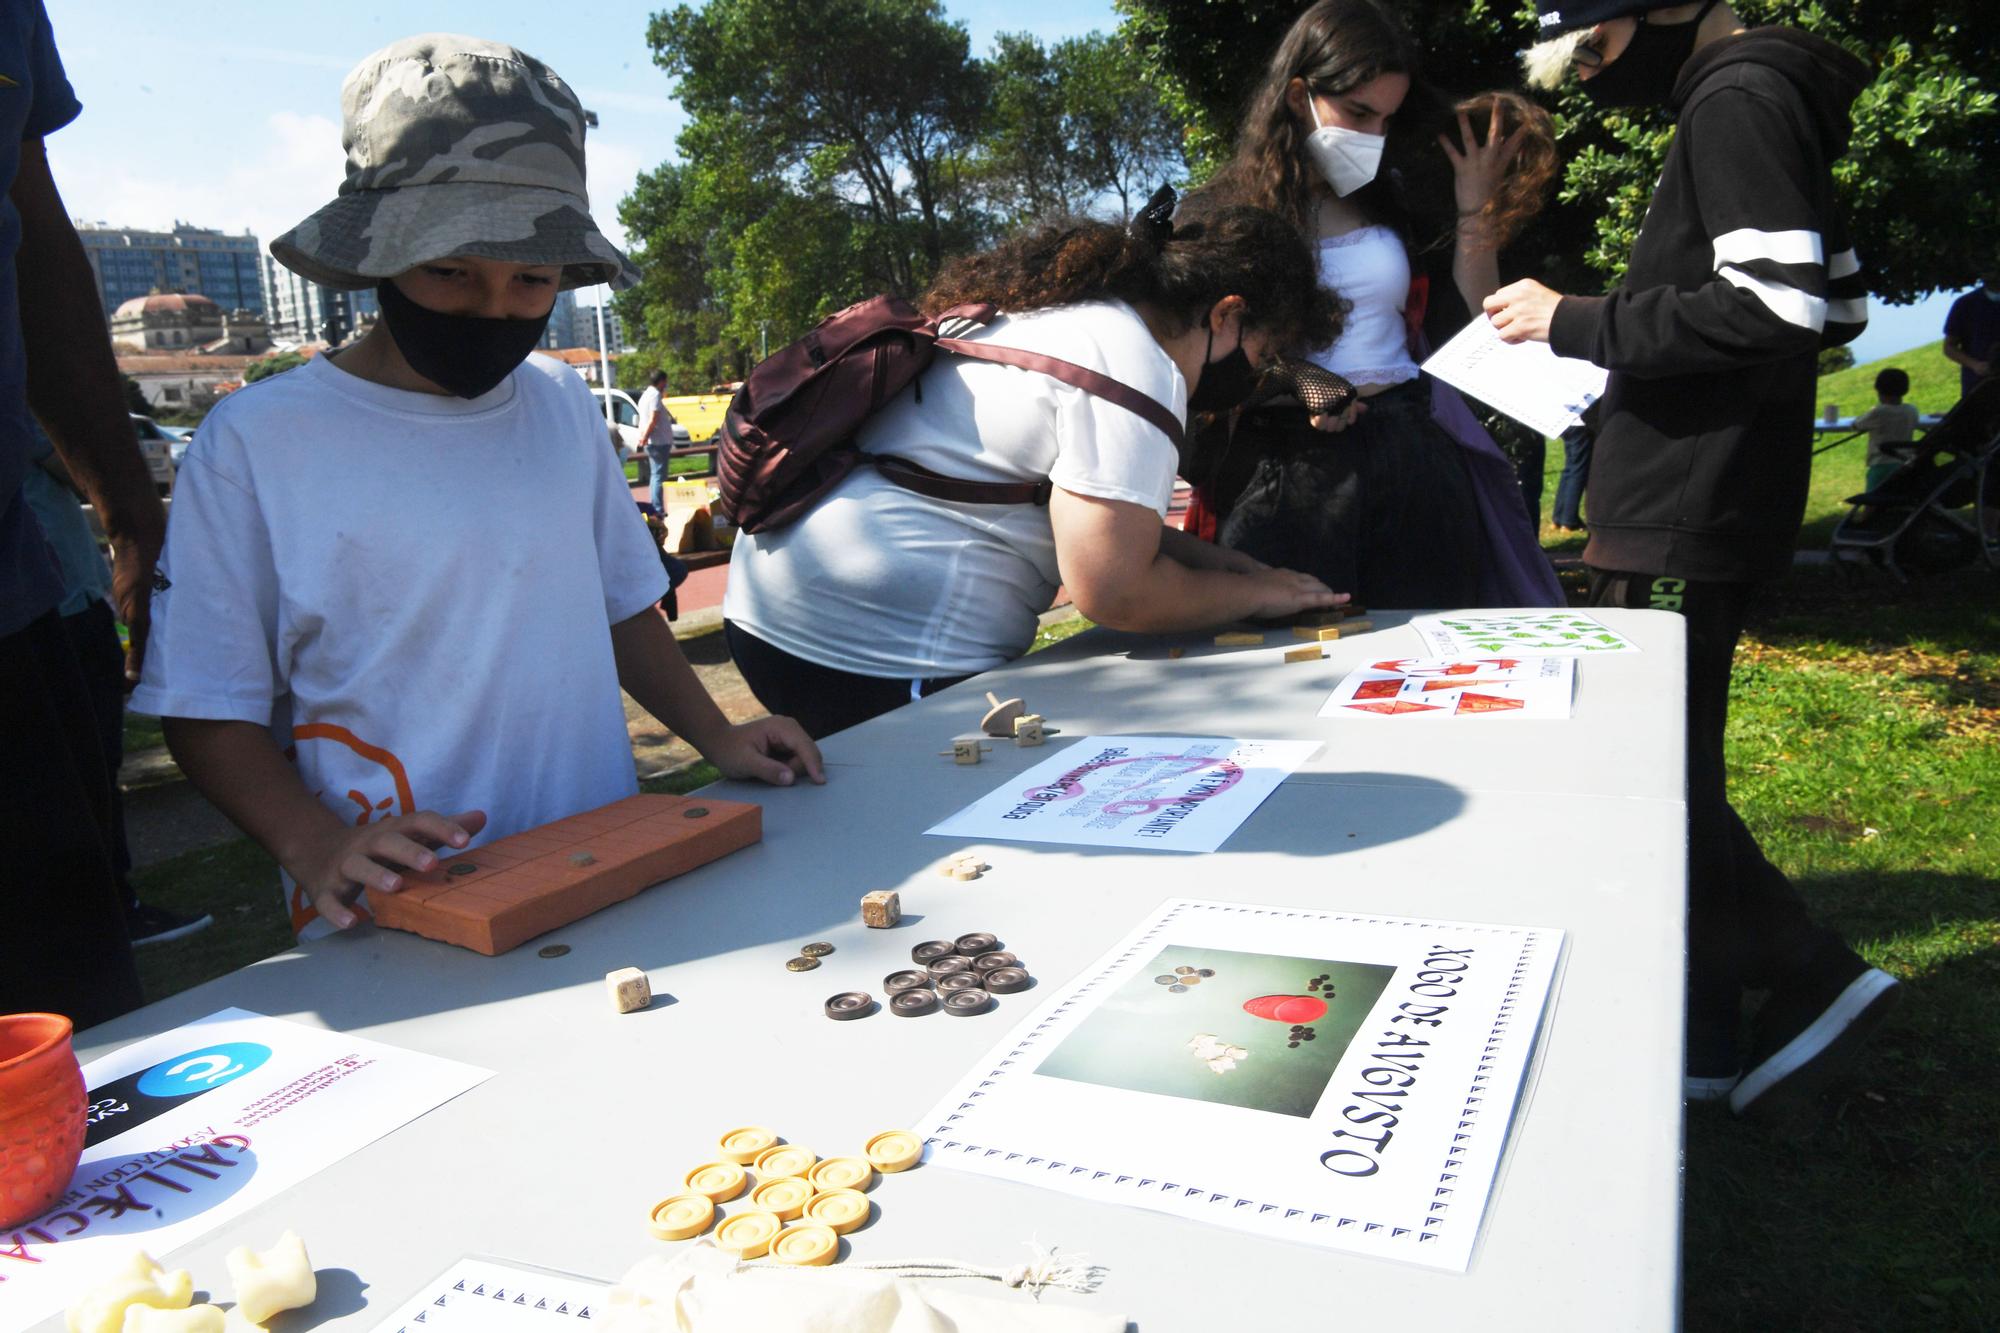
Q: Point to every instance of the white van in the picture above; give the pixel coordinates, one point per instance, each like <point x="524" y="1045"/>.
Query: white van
<point x="625" y="424"/>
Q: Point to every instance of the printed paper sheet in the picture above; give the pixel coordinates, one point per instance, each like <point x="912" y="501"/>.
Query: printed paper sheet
<point x="477" y="1295"/>
<point x="1526" y="633"/>
<point x="1142" y="793"/>
<point x="1340" y="1080"/>
<point x="197" y="1125"/>
<point x="1527" y="381"/>
<point x="1433" y="688"/>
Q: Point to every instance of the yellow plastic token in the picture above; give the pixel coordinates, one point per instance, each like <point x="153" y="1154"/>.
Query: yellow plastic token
<point x="741" y="1146"/>
<point x="786" y="1196"/>
<point x="843" y="1210"/>
<point x="748" y="1235"/>
<point x="720" y="1181"/>
<point x="682" y="1216"/>
<point x="807" y="1244"/>
<point x="894" y="1150"/>
<point x="789" y="1160"/>
<point x="842" y="1173"/>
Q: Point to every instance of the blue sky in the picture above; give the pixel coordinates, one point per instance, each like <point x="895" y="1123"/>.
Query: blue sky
<point x="227" y="114"/>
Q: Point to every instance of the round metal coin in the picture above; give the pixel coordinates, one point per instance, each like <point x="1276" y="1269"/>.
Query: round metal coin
<point x="850" y="1004"/>
<point x="986" y="962"/>
<point x="977" y="943"/>
<point x="930" y="949"/>
<point x="902" y="981"/>
<point x="1168" y="980"/>
<point x="801" y="964"/>
<point x="964" y="1003"/>
<point x="1007" y="980"/>
<point x="1206" y="972"/>
<point x="552" y="951"/>
<point x="819" y="950"/>
<point x="957" y="981"/>
<point x="1184" y="971"/>
<point x="1190" y="981"/>
<point x="914" y="1003"/>
<point x="461" y="868"/>
<point x="1176" y="990"/>
<point x="947" y="965"/>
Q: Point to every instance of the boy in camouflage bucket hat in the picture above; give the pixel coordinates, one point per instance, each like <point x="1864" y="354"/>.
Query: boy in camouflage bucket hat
<point x="406" y="580"/>
<point x="455" y="146"/>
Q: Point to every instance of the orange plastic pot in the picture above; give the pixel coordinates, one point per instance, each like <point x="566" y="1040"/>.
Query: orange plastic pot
<point x="41" y="1114"/>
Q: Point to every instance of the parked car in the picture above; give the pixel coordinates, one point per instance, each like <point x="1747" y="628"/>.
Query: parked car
<point x="157" y="447"/>
<point x="625" y="424"/>
<point x="178" y="438"/>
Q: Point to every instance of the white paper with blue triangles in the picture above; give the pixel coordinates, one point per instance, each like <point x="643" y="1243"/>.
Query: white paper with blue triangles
<point x="1336" y="1079"/>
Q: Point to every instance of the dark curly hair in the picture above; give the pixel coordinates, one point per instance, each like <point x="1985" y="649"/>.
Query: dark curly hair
<point x="1231" y="251"/>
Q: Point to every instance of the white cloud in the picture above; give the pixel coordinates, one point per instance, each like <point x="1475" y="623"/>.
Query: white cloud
<point x="284" y="171"/>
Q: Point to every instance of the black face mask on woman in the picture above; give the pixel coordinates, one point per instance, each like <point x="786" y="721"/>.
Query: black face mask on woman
<point x="1645" y="72"/>
<point x="1224" y="384"/>
<point x="466" y="355"/>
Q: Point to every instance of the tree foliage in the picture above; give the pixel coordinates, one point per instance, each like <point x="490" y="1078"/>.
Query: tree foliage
<point x="275" y="364"/>
<point x="1921" y="182"/>
<point x="833" y="152"/>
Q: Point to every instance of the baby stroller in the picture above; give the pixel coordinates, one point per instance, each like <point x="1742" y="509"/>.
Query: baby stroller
<point x="1939" y="511"/>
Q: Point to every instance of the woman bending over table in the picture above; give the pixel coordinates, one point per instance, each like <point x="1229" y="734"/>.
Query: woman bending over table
<point x="880" y="595"/>
<point x="1402" y="499"/>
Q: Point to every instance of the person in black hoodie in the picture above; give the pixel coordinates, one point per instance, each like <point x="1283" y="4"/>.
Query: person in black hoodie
<point x="1742" y="272"/>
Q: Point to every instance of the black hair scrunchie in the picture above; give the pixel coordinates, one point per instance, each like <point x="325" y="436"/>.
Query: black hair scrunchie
<point x="1155" y="220"/>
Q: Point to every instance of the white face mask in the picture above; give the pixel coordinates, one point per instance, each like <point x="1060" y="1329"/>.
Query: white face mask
<point x="1347" y="158"/>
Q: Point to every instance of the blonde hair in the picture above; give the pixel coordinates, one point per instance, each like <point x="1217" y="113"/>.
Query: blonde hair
<point x="1546" y="63"/>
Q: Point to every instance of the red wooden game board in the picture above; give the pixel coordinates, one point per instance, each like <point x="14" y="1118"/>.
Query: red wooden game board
<point x="492" y="898"/>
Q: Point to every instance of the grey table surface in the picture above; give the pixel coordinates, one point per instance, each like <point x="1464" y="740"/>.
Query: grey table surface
<point x="592" y="1116"/>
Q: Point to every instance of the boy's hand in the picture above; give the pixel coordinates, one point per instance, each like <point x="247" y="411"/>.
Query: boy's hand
<point x="1522" y="311"/>
<point x="771" y="749"/>
<point x="335" y="866"/>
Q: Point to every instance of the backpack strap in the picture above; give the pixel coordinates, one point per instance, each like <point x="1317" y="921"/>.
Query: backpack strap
<point x="956" y="490"/>
<point x="1090" y="381"/>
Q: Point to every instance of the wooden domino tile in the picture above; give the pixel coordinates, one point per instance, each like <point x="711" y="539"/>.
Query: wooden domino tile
<point x="525" y="885"/>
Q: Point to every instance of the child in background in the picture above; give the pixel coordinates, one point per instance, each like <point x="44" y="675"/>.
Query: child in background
<point x="1891" y="425"/>
<point x="407" y="578"/>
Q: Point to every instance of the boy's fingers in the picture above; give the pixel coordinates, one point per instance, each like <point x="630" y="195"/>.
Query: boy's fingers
<point x="393" y="848"/>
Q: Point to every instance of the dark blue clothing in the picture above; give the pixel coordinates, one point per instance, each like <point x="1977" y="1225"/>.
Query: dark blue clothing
<point x="1575" y="477"/>
<point x="1975" y="321"/>
<point x="35" y="100"/>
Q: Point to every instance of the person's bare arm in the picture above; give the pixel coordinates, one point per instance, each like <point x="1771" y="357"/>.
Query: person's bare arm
<point x="1112" y="561"/>
<point x="75" y="391"/>
<point x="654" y="671"/>
<point x="1954" y="351"/>
<point x="241" y="771"/>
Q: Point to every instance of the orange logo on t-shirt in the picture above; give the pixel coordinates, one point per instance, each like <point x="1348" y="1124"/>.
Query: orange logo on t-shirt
<point x="390" y="795"/>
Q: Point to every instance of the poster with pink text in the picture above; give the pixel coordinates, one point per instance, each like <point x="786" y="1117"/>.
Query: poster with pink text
<point x="1140" y="793"/>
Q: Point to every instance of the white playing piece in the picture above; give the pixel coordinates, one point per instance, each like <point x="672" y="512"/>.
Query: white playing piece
<point x="1527" y="381"/>
<point x="1469" y="689"/>
<point x="280" y="1278"/>
<point x="1518" y="633"/>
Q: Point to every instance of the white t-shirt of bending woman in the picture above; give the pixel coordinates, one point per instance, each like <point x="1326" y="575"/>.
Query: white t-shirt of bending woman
<point x="880" y="581"/>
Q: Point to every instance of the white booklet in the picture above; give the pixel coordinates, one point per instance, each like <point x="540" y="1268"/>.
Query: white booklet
<point x="1336" y="1079"/>
<point x="1527" y="381"/>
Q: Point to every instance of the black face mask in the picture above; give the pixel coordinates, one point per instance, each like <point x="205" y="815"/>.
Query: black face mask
<point x="1224" y="384"/>
<point x="1644" y="73"/>
<point x="462" y="354"/>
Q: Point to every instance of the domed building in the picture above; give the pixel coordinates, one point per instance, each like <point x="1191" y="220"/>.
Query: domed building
<point x="185" y="322"/>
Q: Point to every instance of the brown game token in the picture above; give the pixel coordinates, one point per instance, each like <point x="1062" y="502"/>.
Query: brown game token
<point x="1006" y="980"/>
<point x="986" y="962"/>
<point x="914" y="1003"/>
<point x="818" y="950"/>
<point x="957" y="981"/>
<point x="945" y="966"/>
<point x="850" y="1004"/>
<point x="930" y="949"/>
<point x="965" y="1003"/>
<point x="801" y="964"/>
<point x="977" y="943"/>
<point x="902" y="981"/>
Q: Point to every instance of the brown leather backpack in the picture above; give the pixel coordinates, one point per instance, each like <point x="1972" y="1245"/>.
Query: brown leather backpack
<point x="788" y="436"/>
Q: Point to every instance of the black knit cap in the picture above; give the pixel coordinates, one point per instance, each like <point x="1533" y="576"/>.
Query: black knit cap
<point x="1560" y="16"/>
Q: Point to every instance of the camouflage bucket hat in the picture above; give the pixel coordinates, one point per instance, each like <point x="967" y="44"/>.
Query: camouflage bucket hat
<point x="455" y="146"/>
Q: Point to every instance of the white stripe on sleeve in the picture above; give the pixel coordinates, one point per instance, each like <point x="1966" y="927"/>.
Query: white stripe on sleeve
<point x="1797" y="308"/>
<point x="1854" y="311"/>
<point x="1747" y="244"/>
<point x="1843" y="265"/>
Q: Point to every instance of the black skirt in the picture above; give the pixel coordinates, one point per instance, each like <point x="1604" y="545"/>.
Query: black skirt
<point x="1384" y="510"/>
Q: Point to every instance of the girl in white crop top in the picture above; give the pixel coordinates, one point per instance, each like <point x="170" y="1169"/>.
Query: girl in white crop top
<point x="1401" y="499"/>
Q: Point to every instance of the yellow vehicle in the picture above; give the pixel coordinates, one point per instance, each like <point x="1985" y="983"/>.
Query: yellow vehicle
<point x="701" y="413"/>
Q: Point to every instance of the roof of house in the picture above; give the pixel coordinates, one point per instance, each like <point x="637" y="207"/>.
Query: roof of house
<point x="181" y="363"/>
<point x="575" y="356"/>
<point x="167" y="303"/>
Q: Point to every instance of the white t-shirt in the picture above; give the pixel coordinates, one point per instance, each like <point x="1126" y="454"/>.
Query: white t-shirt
<point x="663" y="421"/>
<point x="413" y="592"/>
<point x="880" y="581"/>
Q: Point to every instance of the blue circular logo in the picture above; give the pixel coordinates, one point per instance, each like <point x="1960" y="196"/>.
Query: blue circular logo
<point x="198" y="1071"/>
